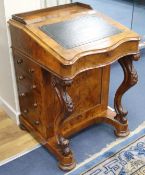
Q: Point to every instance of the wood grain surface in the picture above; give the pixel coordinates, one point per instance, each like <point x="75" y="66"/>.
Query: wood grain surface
<point x="13" y="141"/>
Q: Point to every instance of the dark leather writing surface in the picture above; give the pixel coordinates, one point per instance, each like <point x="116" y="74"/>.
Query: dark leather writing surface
<point x="79" y="31"/>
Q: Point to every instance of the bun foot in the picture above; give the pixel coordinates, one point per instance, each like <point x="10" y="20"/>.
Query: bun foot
<point x="122" y="133"/>
<point x="67" y="167"/>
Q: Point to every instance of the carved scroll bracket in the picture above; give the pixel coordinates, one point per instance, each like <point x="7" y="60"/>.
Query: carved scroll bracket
<point x="67" y="108"/>
<point x="130" y="79"/>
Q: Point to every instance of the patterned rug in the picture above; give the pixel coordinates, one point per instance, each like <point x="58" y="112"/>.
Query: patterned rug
<point x="126" y="158"/>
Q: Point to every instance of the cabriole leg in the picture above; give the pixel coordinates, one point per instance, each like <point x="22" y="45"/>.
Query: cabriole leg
<point x="130" y="79"/>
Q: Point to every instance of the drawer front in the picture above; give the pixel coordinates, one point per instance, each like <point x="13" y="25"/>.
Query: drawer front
<point x="23" y="64"/>
<point x="26" y="82"/>
<point x="30" y="106"/>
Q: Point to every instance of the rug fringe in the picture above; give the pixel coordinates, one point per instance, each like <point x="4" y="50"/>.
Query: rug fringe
<point x="108" y="147"/>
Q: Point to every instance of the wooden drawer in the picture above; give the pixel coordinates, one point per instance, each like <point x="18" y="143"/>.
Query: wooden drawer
<point x="26" y="82"/>
<point x="30" y="106"/>
<point x="23" y="64"/>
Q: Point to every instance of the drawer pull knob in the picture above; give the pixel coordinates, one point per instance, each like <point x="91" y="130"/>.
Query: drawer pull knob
<point x="35" y="105"/>
<point x="21" y="77"/>
<point x="34" y="86"/>
<point x="36" y="122"/>
<point x="23" y="94"/>
<point x="20" y="61"/>
<point x="25" y="111"/>
<point x="31" y="70"/>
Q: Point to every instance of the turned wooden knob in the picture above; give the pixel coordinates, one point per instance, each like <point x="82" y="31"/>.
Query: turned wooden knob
<point x="33" y="86"/>
<point x="21" y="77"/>
<point x="23" y="94"/>
<point x="35" y="105"/>
<point x="36" y="122"/>
<point x="20" y="61"/>
<point x="31" y="70"/>
<point x="25" y="111"/>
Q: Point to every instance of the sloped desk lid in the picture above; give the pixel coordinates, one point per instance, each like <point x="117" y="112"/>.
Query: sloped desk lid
<point x="69" y="33"/>
<point x="79" y="31"/>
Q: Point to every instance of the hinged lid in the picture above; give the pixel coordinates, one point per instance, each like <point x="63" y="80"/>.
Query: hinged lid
<point x="79" y="31"/>
<point x="71" y="38"/>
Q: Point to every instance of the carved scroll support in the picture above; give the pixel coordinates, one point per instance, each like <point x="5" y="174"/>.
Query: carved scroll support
<point x="67" y="108"/>
<point x="130" y="79"/>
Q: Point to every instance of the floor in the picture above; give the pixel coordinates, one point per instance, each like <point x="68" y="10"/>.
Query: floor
<point x="13" y="141"/>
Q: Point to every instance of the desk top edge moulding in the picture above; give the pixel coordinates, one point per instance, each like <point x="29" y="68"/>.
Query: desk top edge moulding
<point x="62" y="57"/>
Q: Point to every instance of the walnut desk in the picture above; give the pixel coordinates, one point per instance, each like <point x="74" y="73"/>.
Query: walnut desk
<point x="62" y="59"/>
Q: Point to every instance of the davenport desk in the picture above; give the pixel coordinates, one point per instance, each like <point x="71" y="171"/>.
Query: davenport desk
<point x="62" y="58"/>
